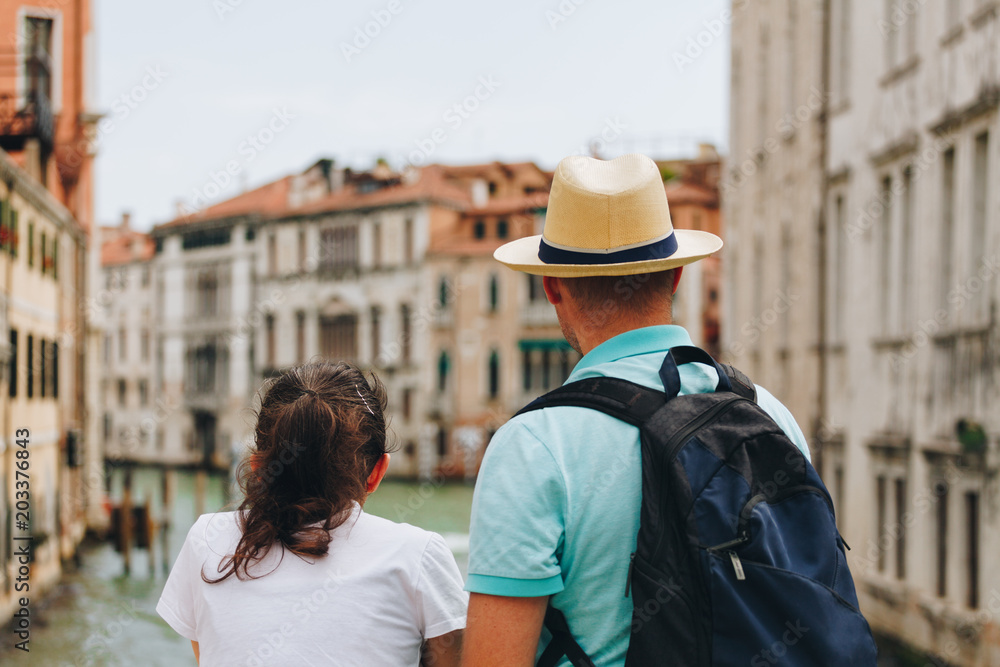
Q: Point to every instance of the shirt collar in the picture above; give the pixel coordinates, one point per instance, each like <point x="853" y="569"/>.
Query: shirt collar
<point x="646" y="340"/>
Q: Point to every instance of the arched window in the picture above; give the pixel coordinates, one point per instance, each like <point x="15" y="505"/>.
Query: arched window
<point x="479" y="229"/>
<point x="502" y="229"/>
<point x="494" y="374"/>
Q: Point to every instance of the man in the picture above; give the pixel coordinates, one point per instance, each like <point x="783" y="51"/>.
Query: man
<point x="556" y="508"/>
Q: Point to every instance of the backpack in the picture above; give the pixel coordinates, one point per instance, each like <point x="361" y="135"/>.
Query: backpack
<point x="738" y="560"/>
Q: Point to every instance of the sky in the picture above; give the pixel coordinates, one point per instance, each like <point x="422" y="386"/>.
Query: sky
<point x="205" y="98"/>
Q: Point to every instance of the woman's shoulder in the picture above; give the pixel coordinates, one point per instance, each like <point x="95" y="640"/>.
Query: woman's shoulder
<point x="401" y="533"/>
<point x="213" y="528"/>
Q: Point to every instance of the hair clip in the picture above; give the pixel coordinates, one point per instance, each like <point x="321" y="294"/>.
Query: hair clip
<point x="363" y="399"/>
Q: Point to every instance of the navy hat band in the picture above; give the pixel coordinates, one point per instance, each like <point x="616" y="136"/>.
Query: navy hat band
<point x="661" y="249"/>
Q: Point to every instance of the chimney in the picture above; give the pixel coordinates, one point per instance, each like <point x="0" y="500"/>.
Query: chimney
<point x="126" y="219"/>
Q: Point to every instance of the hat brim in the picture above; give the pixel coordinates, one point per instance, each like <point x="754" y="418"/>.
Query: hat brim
<point x="522" y="255"/>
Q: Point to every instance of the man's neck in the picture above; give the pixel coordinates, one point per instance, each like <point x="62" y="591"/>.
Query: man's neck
<point x="589" y="338"/>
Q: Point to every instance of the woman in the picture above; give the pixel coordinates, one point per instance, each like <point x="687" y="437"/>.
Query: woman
<point x="300" y="575"/>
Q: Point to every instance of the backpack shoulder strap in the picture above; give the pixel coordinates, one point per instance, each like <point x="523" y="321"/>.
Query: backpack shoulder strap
<point x="741" y="384"/>
<point x="628" y="401"/>
<point x="562" y="643"/>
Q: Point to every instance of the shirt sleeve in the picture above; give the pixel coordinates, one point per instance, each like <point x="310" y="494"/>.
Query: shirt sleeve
<point x="517" y="527"/>
<point x="176" y="605"/>
<point x="442" y="602"/>
<point x="783" y="418"/>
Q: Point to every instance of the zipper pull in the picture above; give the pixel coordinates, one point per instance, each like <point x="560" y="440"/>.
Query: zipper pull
<point x="628" y="581"/>
<point x="737" y="566"/>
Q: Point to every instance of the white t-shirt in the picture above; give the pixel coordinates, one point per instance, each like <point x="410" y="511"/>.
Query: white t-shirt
<point x="382" y="589"/>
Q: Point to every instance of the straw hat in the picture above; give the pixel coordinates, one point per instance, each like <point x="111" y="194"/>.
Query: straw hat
<point x="607" y="218"/>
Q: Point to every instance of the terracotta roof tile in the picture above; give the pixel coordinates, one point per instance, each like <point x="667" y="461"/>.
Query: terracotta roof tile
<point x="120" y="250"/>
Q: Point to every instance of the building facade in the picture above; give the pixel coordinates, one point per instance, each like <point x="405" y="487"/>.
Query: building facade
<point x="46" y="155"/>
<point x="893" y="256"/>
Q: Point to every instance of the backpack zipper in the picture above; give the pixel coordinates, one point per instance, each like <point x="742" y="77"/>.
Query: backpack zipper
<point x="628" y="579"/>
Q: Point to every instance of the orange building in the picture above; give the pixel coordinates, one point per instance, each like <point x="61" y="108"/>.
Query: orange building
<point x="45" y="121"/>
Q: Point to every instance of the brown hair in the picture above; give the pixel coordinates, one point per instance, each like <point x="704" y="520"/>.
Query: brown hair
<point x="639" y="295"/>
<point x="320" y="431"/>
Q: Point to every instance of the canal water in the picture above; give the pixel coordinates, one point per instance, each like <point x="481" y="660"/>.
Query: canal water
<point x="97" y="616"/>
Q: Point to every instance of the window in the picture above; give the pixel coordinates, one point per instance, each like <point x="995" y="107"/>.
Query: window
<point x="842" y="62"/>
<point x="405" y="332"/>
<point x="376" y="332"/>
<point x="408" y="241"/>
<point x="143" y="392"/>
<point x="443" y="292"/>
<point x="890" y="33"/>
<point x="493" y="372"/>
<point x="947" y="225"/>
<point x="38" y="59"/>
<point x="906" y="236"/>
<point x="442" y="443"/>
<point x="900" y="484"/>
<point x="122" y="392"/>
<point x="377" y="245"/>
<point x="407" y="403"/>
<point x="884" y="259"/>
<point x="338" y="248"/>
<point x="12" y="365"/>
<point x="31" y="244"/>
<point x="29" y="358"/>
<point x="536" y="292"/>
<point x="526" y="369"/>
<point x="493" y="188"/>
<point x="145" y="276"/>
<point x="54" y="347"/>
<point x="791" y="56"/>
<point x="46" y="260"/>
<point x="272" y="254"/>
<point x="980" y="192"/>
<point x="300" y="336"/>
<point x="303" y="250"/>
<point x="444" y="363"/>
<point x="941" y="490"/>
<point x="494" y="298"/>
<point x="269" y="341"/>
<point x="502" y="229"/>
<point x="479" y="230"/>
<point x="144" y="345"/>
<point x="763" y="85"/>
<point x="972" y="548"/>
<point x="207" y="292"/>
<point x="122" y="344"/>
<point x="43" y="366"/>
<point x="202" y="369"/>
<point x="338" y="337"/>
<point x="880" y="505"/>
<point x="205" y="238"/>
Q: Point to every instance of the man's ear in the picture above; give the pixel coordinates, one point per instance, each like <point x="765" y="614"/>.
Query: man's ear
<point x="553" y="289"/>
<point x="378" y="472"/>
<point x="677" y="277"/>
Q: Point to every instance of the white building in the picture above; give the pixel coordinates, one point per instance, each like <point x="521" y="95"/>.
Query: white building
<point x="862" y="261"/>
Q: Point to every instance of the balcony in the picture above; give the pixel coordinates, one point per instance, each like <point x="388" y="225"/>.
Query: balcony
<point x="32" y="121"/>
<point x="538" y="314"/>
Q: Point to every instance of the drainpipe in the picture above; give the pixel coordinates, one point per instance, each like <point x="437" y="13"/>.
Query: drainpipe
<point x="821" y="230"/>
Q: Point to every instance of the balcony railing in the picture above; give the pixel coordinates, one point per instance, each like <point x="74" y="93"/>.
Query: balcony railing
<point x="34" y="120"/>
<point x="538" y="313"/>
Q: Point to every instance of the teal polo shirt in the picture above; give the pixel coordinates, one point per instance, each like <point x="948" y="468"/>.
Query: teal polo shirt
<point x="556" y="505"/>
